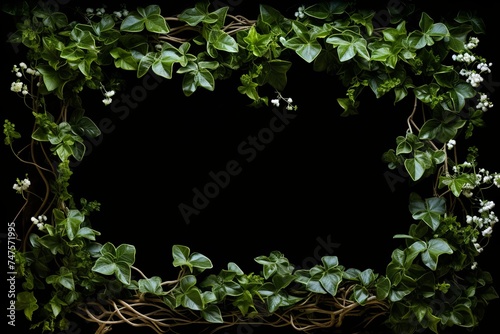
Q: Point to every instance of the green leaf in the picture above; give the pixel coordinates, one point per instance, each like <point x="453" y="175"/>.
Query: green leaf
<point x="55" y="305"/>
<point x="307" y="50"/>
<point x="435" y="247"/>
<point x="429" y="211"/>
<point x="72" y="223"/>
<point x="193" y="300"/>
<point x="222" y="41"/>
<point x="349" y="44"/>
<point x="361" y="294"/>
<point x="145" y="64"/>
<point x="124" y="59"/>
<point x="275" y="72"/>
<point x="148" y="18"/>
<point x="25" y="300"/>
<point x="50" y="77"/>
<point x="455" y="183"/>
<point x="304" y="44"/>
<point x="193" y="16"/>
<point x="64" y="278"/>
<point x="256" y="43"/>
<point x="200" y="261"/>
<point x="330" y="282"/>
<point x="83" y="38"/>
<point x="117" y="261"/>
<point x="326" y="10"/>
<point x="183" y="257"/>
<point x="383" y="286"/>
<point x="151" y="285"/>
<point x="85" y="127"/>
<point x="212" y="314"/>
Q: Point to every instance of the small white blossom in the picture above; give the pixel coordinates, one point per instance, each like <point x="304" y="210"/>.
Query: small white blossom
<point x="487" y="232"/>
<point x="484" y="102"/>
<point x="483" y="67"/>
<point x="16" y="86"/>
<point x="300" y="12"/>
<point x="473" y="42"/>
<point x="288" y="100"/>
<point x="110" y="93"/>
<point x="21" y="185"/>
<point x="451" y="143"/>
<point x="478" y="247"/>
<point x="107" y="95"/>
<point x="464" y="58"/>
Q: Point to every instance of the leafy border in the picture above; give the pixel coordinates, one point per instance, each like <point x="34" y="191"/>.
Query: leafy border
<point x="62" y="264"/>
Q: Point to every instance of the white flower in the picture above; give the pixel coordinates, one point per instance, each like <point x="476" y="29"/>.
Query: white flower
<point x="473" y="42"/>
<point x="487" y="232"/>
<point x="16" y="86"/>
<point x="300" y="12"/>
<point x="483" y="67"/>
<point x="21" y="185"/>
<point x="478" y="247"/>
<point x="107" y="101"/>
<point x="484" y="103"/>
<point x="276" y="102"/>
<point x="451" y="143"/>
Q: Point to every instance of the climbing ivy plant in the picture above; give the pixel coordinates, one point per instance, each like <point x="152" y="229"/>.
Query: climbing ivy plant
<point x="64" y="267"/>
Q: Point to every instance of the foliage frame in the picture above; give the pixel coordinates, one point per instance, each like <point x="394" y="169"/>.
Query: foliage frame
<point x="63" y="266"/>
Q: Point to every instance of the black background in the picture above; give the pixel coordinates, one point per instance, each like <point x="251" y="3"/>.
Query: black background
<point x="317" y="188"/>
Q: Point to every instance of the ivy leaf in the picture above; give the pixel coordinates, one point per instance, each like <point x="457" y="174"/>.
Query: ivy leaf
<point x="145" y="64"/>
<point x="221" y="40"/>
<point x="193" y="300"/>
<point x="349" y="44"/>
<point x="183" y="257"/>
<point x="476" y="23"/>
<point x="199" y="13"/>
<point x="83" y="39"/>
<point x="117" y="261"/>
<point x="435" y="247"/>
<point x="151" y="285"/>
<point x="197" y="74"/>
<point x="124" y="59"/>
<point x="25" y="300"/>
<point x="55" y="304"/>
<point x="325" y="11"/>
<point x="455" y="183"/>
<point x="72" y="223"/>
<point x="274" y="72"/>
<point x="64" y="278"/>
<point x="417" y="165"/>
<point x="460" y="94"/>
<point x="304" y="44"/>
<point x="361" y="294"/>
<point x="51" y="78"/>
<point x="212" y="314"/>
<point x="429" y="211"/>
<point x="148" y="17"/>
<point x="256" y="43"/>
<point x="169" y="55"/>
<point x="84" y="126"/>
